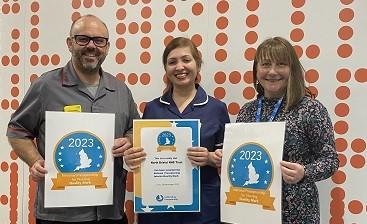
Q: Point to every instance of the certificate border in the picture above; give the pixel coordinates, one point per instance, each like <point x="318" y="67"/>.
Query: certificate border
<point x="194" y="124"/>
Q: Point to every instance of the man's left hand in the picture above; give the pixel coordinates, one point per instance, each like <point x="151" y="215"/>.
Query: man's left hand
<point x="120" y="146"/>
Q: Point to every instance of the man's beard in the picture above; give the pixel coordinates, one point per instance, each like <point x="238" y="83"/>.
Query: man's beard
<point x="87" y="67"/>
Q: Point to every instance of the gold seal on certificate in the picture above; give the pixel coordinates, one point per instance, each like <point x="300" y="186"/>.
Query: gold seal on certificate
<point x="250" y="172"/>
<point x="166" y="167"/>
<point x="84" y="169"/>
<point x="166" y="141"/>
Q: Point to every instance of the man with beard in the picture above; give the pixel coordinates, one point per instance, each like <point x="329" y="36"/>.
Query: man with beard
<point x="83" y="84"/>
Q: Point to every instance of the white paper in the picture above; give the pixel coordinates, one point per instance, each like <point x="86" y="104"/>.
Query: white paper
<point x="166" y="181"/>
<point x="250" y="173"/>
<point x="78" y="159"/>
<point x="166" y="171"/>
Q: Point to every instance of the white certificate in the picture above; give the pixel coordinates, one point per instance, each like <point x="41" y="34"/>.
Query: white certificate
<point x="78" y="159"/>
<point x="251" y="179"/>
<point x="166" y="168"/>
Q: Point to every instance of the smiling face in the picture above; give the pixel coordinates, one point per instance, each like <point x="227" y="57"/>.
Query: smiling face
<point x="88" y="59"/>
<point x="181" y="67"/>
<point x="275" y="67"/>
<point x="273" y="77"/>
<point x="277" y="71"/>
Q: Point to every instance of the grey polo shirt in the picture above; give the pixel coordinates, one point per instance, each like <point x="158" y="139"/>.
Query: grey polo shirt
<point x="51" y="92"/>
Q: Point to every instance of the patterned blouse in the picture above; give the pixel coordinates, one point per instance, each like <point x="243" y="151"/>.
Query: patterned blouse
<point x="309" y="140"/>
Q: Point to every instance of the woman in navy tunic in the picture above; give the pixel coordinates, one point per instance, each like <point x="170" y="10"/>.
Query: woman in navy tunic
<point x="184" y="98"/>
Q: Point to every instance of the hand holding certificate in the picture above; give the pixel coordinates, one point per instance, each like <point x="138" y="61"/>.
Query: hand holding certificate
<point x="166" y="167"/>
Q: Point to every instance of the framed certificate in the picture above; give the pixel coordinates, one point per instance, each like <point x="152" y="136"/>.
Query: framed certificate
<point x="166" y="180"/>
<point x="78" y="159"/>
<point x="251" y="179"/>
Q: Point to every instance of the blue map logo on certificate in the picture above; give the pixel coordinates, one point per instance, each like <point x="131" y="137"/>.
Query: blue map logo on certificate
<point x="79" y="157"/>
<point x="166" y="141"/>
<point x="250" y="173"/>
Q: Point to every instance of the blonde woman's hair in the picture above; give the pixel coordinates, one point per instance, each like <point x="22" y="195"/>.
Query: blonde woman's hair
<point x="278" y="49"/>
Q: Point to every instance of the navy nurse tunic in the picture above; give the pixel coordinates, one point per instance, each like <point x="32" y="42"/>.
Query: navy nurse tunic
<point x="213" y="116"/>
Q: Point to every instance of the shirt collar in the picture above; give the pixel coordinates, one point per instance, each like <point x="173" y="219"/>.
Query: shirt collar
<point x="69" y="78"/>
<point x="201" y="98"/>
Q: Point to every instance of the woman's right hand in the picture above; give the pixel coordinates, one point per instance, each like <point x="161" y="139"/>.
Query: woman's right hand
<point x="134" y="156"/>
<point x="216" y="158"/>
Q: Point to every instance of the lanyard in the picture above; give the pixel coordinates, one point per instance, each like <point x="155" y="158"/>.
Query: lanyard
<point x="273" y="114"/>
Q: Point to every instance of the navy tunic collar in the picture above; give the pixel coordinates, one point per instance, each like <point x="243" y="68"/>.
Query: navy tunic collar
<point x="201" y="98"/>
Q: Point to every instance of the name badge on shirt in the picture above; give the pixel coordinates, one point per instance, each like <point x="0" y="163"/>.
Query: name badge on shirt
<point x="73" y="108"/>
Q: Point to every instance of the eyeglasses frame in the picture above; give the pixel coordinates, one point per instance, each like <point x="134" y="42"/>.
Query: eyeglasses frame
<point x="90" y="39"/>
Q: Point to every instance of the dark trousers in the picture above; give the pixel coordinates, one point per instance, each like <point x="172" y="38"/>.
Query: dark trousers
<point x="103" y="221"/>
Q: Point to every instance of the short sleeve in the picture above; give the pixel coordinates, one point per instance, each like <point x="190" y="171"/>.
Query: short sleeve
<point x="25" y="121"/>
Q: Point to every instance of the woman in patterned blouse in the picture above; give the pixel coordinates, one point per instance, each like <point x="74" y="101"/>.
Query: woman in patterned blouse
<point x="309" y="153"/>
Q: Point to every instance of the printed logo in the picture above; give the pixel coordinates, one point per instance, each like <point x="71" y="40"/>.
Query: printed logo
<point x="166" y="141"/>
<point x="159" y="198"/>
<point x="79" y="157"/>
<point x="250" y="173"/>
